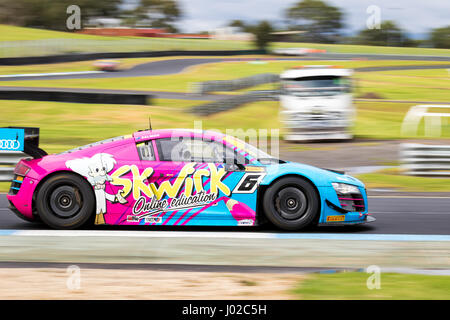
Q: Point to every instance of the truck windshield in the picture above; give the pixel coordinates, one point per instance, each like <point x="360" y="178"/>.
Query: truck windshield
<point x="316" y="86"/>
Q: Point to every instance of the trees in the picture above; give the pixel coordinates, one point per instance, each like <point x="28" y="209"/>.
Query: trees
<point x="389" y="34"/>
<point x="321" y="20"/>
<point x="440" y="37"/>
<point x="262" y="32"/>
<point x="239" y="24"/>
<point x="155" y="14"/>
<point x="52" y="14"/>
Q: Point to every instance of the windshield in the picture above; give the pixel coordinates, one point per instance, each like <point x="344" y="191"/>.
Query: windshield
<point x="316" y="86"/>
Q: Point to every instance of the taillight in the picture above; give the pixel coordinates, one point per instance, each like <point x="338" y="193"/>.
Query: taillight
<point x="21" y="169"/>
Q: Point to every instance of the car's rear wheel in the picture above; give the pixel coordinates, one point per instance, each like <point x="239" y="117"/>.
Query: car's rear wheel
<point x="65" y="201"/>
<point x="291" y="203"/>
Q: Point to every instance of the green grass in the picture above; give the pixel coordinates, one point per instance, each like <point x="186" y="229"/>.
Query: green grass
<point x="352" y="286"/>
<point x="67" y="125"/>
<point x="232" y="70"/>
<point x="419" y="85"/>
<point x="348" y="48"/>
<point x="383" y="120"/>
<point x="37" y="42"/>
<point x="12" y="33"/>
<point x="392" y="178"/>
<point x="4" y="186"/>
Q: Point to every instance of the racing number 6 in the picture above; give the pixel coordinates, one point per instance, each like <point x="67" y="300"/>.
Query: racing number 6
<point x="248" y="183"/>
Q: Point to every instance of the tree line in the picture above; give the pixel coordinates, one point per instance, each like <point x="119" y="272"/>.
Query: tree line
<point x="318" y="20"/>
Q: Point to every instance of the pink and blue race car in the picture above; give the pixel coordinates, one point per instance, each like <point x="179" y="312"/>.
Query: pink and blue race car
<point x="178" y="178"/>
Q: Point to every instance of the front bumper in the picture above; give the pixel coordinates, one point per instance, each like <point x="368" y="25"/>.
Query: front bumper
<point x="338" y="210"/>
<point x="324" y="135"/>
<point x="348" y="223"/>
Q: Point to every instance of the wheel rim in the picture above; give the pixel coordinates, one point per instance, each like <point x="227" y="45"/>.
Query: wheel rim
<point x="65" y="201"/>
<point x="291" y="203"/>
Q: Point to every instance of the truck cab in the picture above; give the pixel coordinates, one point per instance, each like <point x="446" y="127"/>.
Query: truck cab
<point x="316" y="103"/>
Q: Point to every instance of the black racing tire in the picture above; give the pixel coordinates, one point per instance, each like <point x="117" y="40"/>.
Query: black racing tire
<point x="65" y="201"/>
<point x="291" y="203"/>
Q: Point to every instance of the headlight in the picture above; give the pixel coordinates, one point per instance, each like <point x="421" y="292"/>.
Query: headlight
<point x="344" y="188"/>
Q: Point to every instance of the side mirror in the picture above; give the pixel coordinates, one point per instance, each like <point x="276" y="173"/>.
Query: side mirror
<point x="234" y="165"/>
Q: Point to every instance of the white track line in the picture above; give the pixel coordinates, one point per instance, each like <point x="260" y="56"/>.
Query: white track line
<point x="48" y="74"/>
<point x="228" y="235"/>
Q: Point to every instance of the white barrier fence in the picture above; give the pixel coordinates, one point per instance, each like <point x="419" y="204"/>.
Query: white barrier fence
<point x="432" y="117"/>
<point x="425" y="160"/>
<point x="233" y="84"/>
<point x="8" y="160"/>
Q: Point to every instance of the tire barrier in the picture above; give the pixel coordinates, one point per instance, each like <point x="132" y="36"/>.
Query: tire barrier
<point x="234" y="84"/>
<point x="8" y="161"/>
<point x="234" y="102"/>
<point x="16" y="61"/>
<point x="78" y="96"/>
<point x="425" y="160"/>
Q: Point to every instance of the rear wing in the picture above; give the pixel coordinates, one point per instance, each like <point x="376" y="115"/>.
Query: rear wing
<point x="21" y="139"/>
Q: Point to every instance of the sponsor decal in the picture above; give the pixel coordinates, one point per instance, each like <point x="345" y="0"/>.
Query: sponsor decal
<point x="249" y="182"/>
<point x="188" y="179"/>
<point x="150" y="197"/>
<point x="147" y="137"/>
<point x="246" y="222"/>
<point x="254" y="169"/>
<point x="11" y="139"/>
<point x="336" y="218"/>
<point x="95" y="170"/>
<point x="156" y="220"/>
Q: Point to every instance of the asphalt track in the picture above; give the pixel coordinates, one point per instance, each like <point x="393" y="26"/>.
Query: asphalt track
<point x="402" y="215"/>
<point x="177" y="267"/>
<point x="174" y="66"/>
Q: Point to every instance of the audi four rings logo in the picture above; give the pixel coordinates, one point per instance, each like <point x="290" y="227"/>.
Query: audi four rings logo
<point x="9" y="144"/>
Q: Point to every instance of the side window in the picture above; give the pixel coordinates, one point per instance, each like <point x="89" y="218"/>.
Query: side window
<point x="172" y="150"/>
<point x="145" y="151"/>
<point x="194" y="150"/>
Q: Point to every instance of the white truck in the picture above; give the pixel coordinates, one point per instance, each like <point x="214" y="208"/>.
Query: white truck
<point x="316" y="103"/>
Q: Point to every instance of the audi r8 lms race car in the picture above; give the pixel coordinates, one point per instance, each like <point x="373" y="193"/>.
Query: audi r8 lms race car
<point x="178" y="177"/>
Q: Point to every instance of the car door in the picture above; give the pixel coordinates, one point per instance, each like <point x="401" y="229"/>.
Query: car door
<point x="199" y="182"/>
<point x="120" y="188"/>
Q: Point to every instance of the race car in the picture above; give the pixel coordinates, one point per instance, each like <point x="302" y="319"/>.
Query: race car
<point x="180" y="177"/>
<point x="107" y="65"/>
<point x="296" y="51"/>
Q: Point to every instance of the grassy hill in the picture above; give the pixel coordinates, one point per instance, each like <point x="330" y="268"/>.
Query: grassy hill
<point x="110" y="44"/>
<point x="13" y="33"/>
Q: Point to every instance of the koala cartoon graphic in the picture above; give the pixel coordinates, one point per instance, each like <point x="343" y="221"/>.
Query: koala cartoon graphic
<point x="96" y="169"/>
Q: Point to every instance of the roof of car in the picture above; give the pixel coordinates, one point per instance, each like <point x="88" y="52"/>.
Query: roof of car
<point x="169" y="133"/>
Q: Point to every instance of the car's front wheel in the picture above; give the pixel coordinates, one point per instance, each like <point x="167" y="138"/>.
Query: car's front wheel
<point x="65" y="201"/>
<point x="291" y="203"/>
